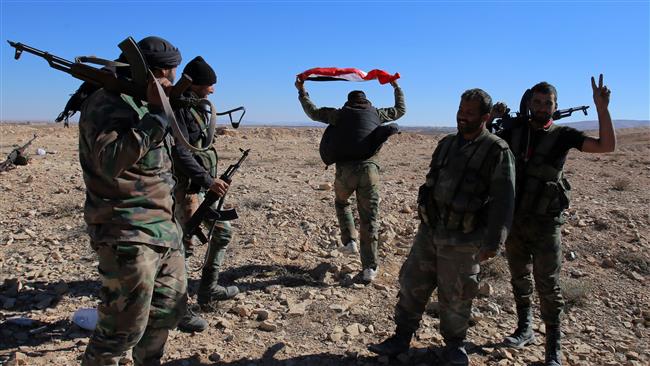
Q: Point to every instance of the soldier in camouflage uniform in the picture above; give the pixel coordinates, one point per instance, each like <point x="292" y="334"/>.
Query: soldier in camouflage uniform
<point x="534" y="245"/>
<point x="360" y="176"/>
<point x="466" y="210"/>
<point x="125" y="155"/>
<point x="196" y="173"/>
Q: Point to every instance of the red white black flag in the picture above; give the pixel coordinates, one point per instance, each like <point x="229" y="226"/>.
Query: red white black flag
<point x="346" y="74"/>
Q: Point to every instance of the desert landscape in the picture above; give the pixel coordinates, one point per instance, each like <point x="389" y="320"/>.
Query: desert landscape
<point x="300" y="303"/>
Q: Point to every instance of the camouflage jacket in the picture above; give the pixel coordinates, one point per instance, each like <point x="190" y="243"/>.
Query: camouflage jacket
<point x="126" y="161"/>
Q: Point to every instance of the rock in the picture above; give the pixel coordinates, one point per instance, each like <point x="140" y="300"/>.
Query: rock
<point x="379" y="286"/>
<point x="339" y="308"/>
<point x="325" y="187"/>
<point x="571" y="256"/>
<point x="335" y="337"/>
<point x="352" y="330"/>
<point x="636" y="276"/>
<point x="224" y="323"/>
<point x="582" y="223"/>
<point x="406" y="209"/>
<point x="214" y="357"/>
<point x="268" y="326"/>
<point x="262" y="314"/>
<point x="18" y="359"/>
<point x="608" y="263"/>
<point x="485" y="290"/>
<point x="298" y="309"/>
<point x="243" y="311"/>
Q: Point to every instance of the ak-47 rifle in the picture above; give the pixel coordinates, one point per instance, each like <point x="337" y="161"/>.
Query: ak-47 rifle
<point x="134" y="85"/>
<point x="508" y="120"/>
<point x="205" y="210"/>
<point x="16" y="157"/>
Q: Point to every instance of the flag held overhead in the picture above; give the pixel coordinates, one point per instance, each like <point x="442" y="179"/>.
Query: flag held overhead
<point x="346" y="74"/>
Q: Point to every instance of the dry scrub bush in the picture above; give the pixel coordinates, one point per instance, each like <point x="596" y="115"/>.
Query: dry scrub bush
<point x="622" y="184"/>
<point x="496" y="268"/>
<point x="576" y="292"/>
<point x="634" y="261"/>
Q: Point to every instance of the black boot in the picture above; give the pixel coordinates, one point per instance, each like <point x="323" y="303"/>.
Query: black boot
<point x="454" y="354"/>
<point x="553" y="348"/>
<point x="212" y="294"/>
<point x="398" y="343"/>
<point x="210" y="291"/>
<point x="523" y="335"/>
<point x="191" y="323"/>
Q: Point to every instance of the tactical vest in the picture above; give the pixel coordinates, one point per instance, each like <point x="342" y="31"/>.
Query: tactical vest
<point x="208" y="158"/>
<point x="351" y="138"/>
<point x="457" y="187"/>
<point x="542" y="188"/>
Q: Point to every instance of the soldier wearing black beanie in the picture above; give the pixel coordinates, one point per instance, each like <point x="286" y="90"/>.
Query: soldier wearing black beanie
<point x="196" y="173"/>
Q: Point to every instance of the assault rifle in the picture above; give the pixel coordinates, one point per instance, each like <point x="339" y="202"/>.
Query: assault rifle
<point x="16" y="157"/>
<point x="205" y="210"/>
<point x="508" y="120"/>
<point x="134" y="85"/>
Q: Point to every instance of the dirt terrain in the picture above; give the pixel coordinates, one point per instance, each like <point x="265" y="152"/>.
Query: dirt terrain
<point x="300" y="303"/>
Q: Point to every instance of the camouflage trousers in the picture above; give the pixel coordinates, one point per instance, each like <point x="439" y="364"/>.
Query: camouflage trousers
<point x="534" y="250"/>
<point x="362" y="178"/>
<point x="186" y="205"/>
<point x="143" y="295"/>
<point x="439" y="260"/>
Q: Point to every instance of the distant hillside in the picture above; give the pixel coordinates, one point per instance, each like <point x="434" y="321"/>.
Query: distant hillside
<point x="619" y="123"/>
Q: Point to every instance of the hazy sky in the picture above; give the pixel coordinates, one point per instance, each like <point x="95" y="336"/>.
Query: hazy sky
<point x="440" y="48"/>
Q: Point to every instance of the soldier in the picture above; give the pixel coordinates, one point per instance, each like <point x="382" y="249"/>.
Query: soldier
<point x="359" y="174"/>
<point x="534" y="246"/>
<point x="196" y="172"/>
<point x="466" y="210"/>
<point x="124" y="154"/>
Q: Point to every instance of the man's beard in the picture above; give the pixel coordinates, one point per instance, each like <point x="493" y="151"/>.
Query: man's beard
<point x="540" y="120"/>
<point x="468" y="127"/>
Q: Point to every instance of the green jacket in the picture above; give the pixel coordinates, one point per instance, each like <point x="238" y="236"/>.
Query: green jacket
<point x="470" y="189"/>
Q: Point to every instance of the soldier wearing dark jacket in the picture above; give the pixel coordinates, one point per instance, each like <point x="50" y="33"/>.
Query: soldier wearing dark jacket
<point x="534" y="246"/>
<point x="466" y="210"/>
<point x="124" y="154"/>
<point x="353" y="148"/>
<point x="196" y="173"/>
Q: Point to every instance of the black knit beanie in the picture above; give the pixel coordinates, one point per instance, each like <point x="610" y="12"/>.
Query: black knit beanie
<point x="200" y="72"/>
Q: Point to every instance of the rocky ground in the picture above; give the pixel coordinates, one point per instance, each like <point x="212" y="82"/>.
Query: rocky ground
<point x="300" y="303"/>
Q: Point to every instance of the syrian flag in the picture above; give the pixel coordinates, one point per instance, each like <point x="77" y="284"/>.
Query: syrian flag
<point x="346" y="74"/>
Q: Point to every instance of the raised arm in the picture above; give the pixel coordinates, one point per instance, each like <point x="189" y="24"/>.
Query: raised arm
<point x="325" y="114"/>
<point x="393" y="113"/>
<point x="606" y="141"/>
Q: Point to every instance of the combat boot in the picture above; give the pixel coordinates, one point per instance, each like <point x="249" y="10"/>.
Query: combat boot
<point x="553" y="347"/>
<point x="191" y="323"/>
<point x="454" y="354"/>
<point x="398" y="343"/>
<point x="216" y="293"/>
<point x="524" y="334"/>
